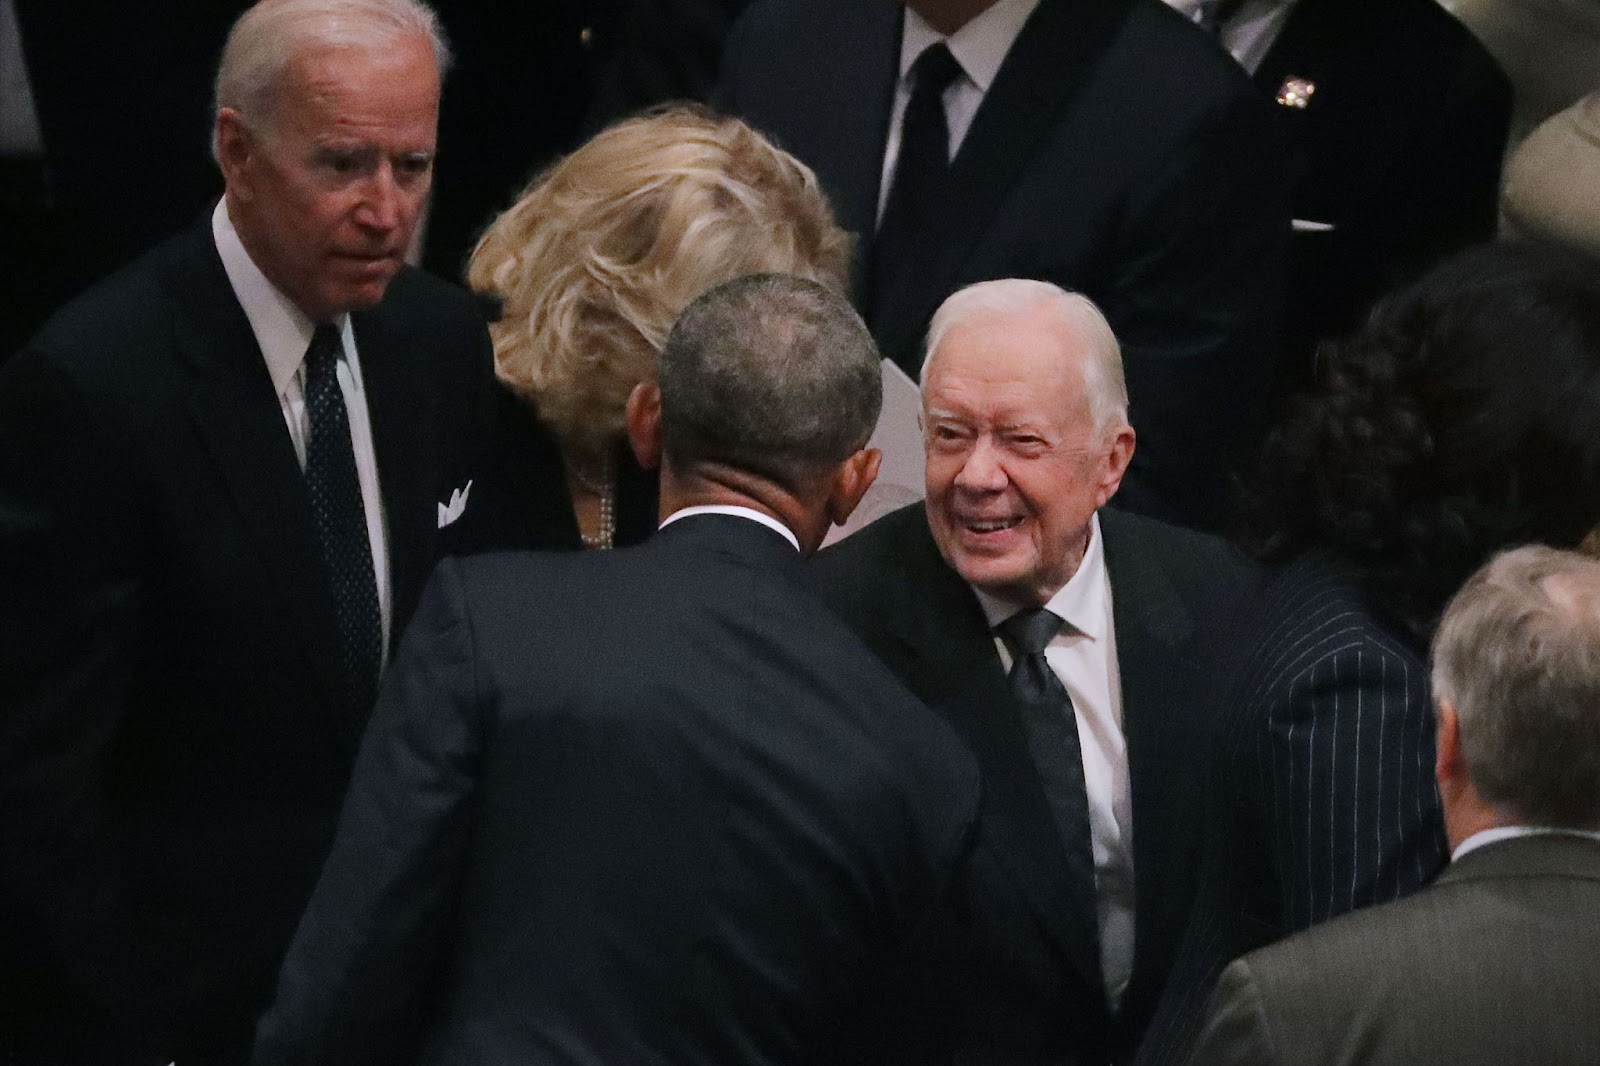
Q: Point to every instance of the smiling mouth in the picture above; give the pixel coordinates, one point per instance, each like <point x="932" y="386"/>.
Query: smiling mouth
<point x="992" y="525"/>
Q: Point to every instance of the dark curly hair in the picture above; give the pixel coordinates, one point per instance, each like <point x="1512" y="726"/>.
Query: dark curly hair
<point x="1464" y="416"/>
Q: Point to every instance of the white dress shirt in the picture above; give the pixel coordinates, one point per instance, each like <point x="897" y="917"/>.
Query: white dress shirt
<point x="737" y="512"/>
<point x="1251" y="29"/>
<point x="979" y="47"/>
<point x="283" y="333"/>
<point x="1485" y="837"/>
<point x="1084" y="656"/>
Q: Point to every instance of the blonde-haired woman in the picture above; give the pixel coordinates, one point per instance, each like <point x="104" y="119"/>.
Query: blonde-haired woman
<point x="591" y="267"/>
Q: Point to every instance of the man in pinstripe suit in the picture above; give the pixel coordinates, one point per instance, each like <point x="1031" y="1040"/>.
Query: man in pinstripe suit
<point x="1497" y="962"/>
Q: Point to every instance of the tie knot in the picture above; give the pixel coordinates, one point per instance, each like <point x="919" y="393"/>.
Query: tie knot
<point x="1029" y="632"/>
<point x="934" y="69"/>
<point x="324" y="349"/>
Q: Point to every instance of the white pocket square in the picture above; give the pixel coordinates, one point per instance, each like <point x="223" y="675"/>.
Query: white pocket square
<point x="449" y="512"/>
<point x="1306" y="225"/>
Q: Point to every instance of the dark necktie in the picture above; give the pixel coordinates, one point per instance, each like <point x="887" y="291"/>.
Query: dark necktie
<point x="341" y="523"/>
<point x="919" y="172"/>
<point x="1214" y="15"/>
<point x="1052" y="728"/>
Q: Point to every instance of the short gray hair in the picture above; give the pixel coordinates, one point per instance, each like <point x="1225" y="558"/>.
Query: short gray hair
<point x="1517" y="654"/>
<point x="771" y="374"/>
<point x="271" y="34"/>
<point x="1103" y="378"/>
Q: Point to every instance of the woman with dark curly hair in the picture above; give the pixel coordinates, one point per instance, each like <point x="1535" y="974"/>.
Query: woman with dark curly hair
<point x="1463" y="418"/>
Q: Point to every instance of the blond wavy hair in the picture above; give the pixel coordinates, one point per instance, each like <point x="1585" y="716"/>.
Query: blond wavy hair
<point x="596" y="259"/>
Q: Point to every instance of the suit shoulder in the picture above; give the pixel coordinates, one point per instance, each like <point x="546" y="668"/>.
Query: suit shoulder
<point x="1194" y="555"/>
<point x="851" y="575"/>
<point x="1174" y="57"/>
<point x="93" y="333"/>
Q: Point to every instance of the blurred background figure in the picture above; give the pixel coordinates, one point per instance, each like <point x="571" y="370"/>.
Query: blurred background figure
<point x="1395" y="117"/>
<point x="1498" y="961"/>
<point x="591" y="267"/>
<point x="1100" y="145"/>
<point x="1551" y="178"/>
<point x="1549" y="48"/>
<point x="1463" y="418"/>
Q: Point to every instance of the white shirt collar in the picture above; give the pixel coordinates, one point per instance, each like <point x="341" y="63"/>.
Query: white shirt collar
<point x="739" y="512"/>
<point x="1081" y="602"/>
<point x="980" y="46"/>
<point x="283" y="331"/>
<point x="1485" y="837"/>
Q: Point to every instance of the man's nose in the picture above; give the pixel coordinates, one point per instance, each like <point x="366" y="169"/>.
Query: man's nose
<point x="380" y="207"/>
<point x="983" y="470"/>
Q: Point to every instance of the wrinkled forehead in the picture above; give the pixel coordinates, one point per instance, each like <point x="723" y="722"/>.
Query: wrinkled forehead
<point x="1011" y="361"/>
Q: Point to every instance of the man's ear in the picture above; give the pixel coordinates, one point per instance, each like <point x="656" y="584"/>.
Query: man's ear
<point x="644" y="424"/>
<point x="1449" y="765"/>
<point x="235" y="146"/>
<point x="1119" y="452"/>
<point x="851" y="480"/>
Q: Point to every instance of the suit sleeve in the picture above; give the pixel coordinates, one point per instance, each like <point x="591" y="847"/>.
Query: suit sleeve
<point x="69" y="595"/>
<point x="1197" y="302"/>
<point x="1355" y="809"/>
<point x="1237" y="1032"/>
<point x="357" y="974"/>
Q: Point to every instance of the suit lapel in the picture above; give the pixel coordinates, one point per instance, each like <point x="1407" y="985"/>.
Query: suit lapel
<point x="407" y="457"/>
<point x="1164" y="727"/>
<point x="232" y="404"/>
<point x="958" y="673"/>
<point x="1051" y="61"/>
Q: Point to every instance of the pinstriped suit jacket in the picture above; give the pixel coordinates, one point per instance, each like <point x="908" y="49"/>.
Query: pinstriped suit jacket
<point x="1323" y="798"/>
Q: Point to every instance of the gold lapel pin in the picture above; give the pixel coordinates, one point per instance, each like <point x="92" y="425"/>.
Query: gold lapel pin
<point x="1296" y="91"/>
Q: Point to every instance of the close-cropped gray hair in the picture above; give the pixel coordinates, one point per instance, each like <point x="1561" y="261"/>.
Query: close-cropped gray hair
<point x="1517" y="654"/>
<point x="1103" y="378"/>
<point x="771" y="374"/>
<point x="271" y="34"/>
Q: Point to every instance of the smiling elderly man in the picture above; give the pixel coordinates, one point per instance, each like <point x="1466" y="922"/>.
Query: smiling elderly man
<point x="224" y="475"/>
<point x="1072" y="648"/>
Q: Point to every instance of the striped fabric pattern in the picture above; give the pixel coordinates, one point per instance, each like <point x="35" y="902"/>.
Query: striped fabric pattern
<point x="1323" y="796"/>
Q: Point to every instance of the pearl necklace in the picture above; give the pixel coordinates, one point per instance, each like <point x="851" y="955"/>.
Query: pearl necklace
<point x="605" y="487"/>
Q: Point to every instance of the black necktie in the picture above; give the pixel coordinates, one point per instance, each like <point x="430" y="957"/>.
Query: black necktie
<point x="1052" y="728"/>
<point x="341" y="523"/>
<point x="919" y="171"/>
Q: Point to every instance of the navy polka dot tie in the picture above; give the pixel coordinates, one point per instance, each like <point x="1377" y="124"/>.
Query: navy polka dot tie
<point x="341" y="524"/>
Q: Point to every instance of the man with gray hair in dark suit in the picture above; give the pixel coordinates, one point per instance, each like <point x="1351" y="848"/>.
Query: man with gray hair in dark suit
<point x="1498" y="961"/>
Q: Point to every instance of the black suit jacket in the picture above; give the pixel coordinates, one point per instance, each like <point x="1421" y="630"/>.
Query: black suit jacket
<point x="1497" y="962"/>
<point x="1398" y="149"/>
<point x="1118" y="153"/>
<point x="171" y="763"/>
<point x="999" y="981"/>
<point x="651" y="805"/>
<point x="1322" y="794"/>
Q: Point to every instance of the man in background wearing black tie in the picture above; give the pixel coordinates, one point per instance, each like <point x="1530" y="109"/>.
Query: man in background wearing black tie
<point x="224" y="474"/>
<point x="1102" y="145"/>
<point x="1075" y="649"/>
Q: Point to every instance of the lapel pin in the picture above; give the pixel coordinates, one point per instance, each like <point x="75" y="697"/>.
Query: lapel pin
<point x="1296" y="91"/>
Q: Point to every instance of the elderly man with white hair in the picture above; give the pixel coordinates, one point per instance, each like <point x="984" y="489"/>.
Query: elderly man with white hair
<point x="1076" y="650"/>
<point x="224" y="474"/>
<point x="1499" y="960"/>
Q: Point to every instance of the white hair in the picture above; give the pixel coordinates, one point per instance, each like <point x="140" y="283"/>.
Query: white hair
<point x="1103" y="379"/>
<point x="269" y="36"/>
